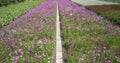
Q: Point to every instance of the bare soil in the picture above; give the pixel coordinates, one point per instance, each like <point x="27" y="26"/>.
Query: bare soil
<point x="104" y="8"/>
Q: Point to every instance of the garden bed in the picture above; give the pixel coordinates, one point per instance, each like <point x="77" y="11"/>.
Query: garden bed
<point x="111" y="12"/>
<point x="31" y="37"/>
<point x="10" y="13"/>
<point x="87" y="37"/>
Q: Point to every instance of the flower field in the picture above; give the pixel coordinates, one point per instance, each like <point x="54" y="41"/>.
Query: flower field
<point x="86" y="36"/>
<point x="30" y="38"/>
<point x="10" y="13"/>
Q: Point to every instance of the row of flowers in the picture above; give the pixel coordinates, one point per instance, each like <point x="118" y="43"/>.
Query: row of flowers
<point x="30" y="38"/>
<point x="10" y="13"/>
<point x="87" y="37"/>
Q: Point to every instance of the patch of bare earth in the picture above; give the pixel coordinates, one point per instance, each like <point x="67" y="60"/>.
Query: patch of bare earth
<point x="104" y="8"/>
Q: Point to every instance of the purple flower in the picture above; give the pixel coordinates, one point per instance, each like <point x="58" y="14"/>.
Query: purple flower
<point x="22" y="51"/>
<point x="16" y="52"/>
<point x="108" y="21"/>
<point x="30" y="50"/>
<point x="43" y="55"/>
<point x="80" y="59"/>
<point x="117" y="33"/>
<point x="39" y="56"/>
<point x="1" y="34"/>
<point x="108" y="61"/>
<point x="16" y="59"/>
<point x="36" y="44"/>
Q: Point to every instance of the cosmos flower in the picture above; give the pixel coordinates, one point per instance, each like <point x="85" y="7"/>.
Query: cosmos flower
<point x="21" y="51"/>
<point x="30" y="50"/>
<point x="16" y="59"/>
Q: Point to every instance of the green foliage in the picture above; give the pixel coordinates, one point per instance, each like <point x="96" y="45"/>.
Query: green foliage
<point x="111" y="12"/>
<point x="89" y="41"/>
<point x="7" y="2"/>
<point x="114" y="16"/>
<point x="11" y="12"/>
<point x="118" y="1"/>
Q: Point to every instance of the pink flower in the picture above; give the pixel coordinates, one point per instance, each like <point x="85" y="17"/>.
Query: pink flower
<point x="108" y="61"/>
<point x="39" y="56"/>
<point x="16" y="59"/>
<point x="22" y="52"/>
<point x="29" y="59"/>
<point x="30" y="50"/>
<point x="43" y="55"/>
<point x="80" y="59"/>
<point x="36" y="44"/>
<point x="117" y="33"/>
<point x="16" y="52"/>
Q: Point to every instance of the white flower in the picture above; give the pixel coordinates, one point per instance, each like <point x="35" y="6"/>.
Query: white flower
<point x="71" y="14"/>
<point x="80" y="59"/>
<point x="118" y="59"/>
<point x="48" y="62"/>
<point x="40" y="41"/>
<point x="14" y="31"/>
<point x="26" y="30"/>
<point x="21" y="55"/>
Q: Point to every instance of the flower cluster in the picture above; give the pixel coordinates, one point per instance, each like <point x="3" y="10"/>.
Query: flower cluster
<point x="30" y="36"/>
<point x="95" y="39"/>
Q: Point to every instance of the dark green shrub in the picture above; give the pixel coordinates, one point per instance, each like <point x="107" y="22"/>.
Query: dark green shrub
<point x="8" y="2"/>
<point x="118" y="1"/>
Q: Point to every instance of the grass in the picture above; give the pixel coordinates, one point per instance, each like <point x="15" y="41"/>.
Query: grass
<point x="111" y="12"/>
<point x="10" y="13"/>
<point x="89" y="42"/>
<point x="113" y="16"/>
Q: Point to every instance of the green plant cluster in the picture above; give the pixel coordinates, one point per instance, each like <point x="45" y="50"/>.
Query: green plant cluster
<point x="11" y="12"/>
<point x="118" y="1"/>
<point x="8" y="2"/>
<point x="114" y="16"/>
